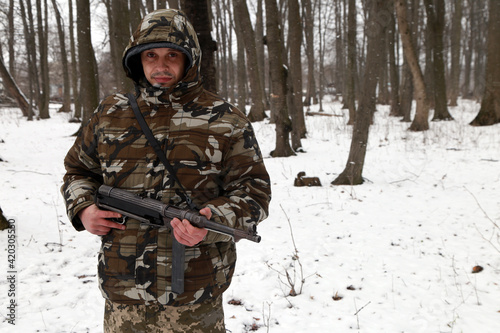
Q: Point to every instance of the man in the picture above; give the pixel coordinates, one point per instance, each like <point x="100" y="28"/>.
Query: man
<point x="213" y="152"/>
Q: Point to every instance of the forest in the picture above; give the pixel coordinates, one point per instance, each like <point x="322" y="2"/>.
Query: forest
<point x="276" y="56"/>
<point x="427" y="52"/>
<point x="400" y="96"/>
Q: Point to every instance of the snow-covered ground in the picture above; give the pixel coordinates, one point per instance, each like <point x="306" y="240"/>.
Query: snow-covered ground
<point x="395" y="254"/>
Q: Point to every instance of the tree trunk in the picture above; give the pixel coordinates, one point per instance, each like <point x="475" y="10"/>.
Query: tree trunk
<point x="242" y="17"/>
<point x="119" y="32"/>
<point x="278" y="82"/>
<point x="352" y="174"/>
<point x="11" y="38"/>
<point x="489" y="113"/>
<point x="231" y="84"/>
<point x="43" y="103"/>
<point x="74" y="65"/>
<point x="468" y="50"/>
<point x="87" y="64"/>
<point x="406" y="99"/>
<point x="241" y="73"/>
<point x="199" y="14"/>
<point x="259" y="43"/>
<point x="13" y="89"/>
<point x="393" y="67"/>
<point x="351" y="62"/>
<point x="437" y="20"/>
<point x="480" y="49"/>
<point x="295" y="73"/>
<point x="421" y="121"/>
<point x="309" y="34"/>
<point x="456" y="33"/>
<point x="29" y="33"/>
<point x="66" y="105"/>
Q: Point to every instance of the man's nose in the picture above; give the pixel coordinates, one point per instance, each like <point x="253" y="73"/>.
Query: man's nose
<point x="163" y="63"/>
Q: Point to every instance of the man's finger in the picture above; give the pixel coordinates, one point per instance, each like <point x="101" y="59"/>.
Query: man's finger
<point x="207" y="212"/>
<point x="111" y="224"/>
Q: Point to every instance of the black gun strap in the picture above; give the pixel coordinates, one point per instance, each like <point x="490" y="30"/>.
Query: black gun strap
<point x="156" y="146"/>
<point x="178" y="250"/>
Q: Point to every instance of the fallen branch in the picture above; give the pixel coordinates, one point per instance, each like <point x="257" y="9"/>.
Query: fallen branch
<point x="309" y="113"/>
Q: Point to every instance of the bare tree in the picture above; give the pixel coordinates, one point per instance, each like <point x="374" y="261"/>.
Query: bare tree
<point x="436" y="20"/>
<point x="309" y="37"/>
<point x="242" y="16"/>
<point x="295" y="73"/>
<point x="42" y="26"/>
<point x="29" y="37"/>
<point x="66" y="105"/>
<point x="421" y="121"/>
<point x="13" y="89"/>
<point x="352" y="68"/>
<point x="74" y="65"/>
<point x="352" y="174"/>
<point x="119" y="31"/>
<point x="393" y="67"/>
<point x="199" y="13"/>
<point x="278" y="82"/>
<point x="11" y="40"/>
<point x="241" y="72"/>
<point x="87" y="63"/>
<point x="259" y="44"/>
<point x="456" y="33"/>
<point x="489" y="113"/>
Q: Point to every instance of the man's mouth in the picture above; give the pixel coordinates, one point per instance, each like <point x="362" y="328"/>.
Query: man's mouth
<point x="162" y="77"/>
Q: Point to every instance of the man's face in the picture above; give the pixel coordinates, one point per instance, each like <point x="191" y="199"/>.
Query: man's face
<point x="163" y="66"/>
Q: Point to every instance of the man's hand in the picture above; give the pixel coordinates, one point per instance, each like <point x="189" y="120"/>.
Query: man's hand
<point x="187" y="234"/>
<point x="96" y="220"/>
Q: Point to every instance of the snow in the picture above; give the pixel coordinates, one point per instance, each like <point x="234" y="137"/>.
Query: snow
<point x="396" y="253"/>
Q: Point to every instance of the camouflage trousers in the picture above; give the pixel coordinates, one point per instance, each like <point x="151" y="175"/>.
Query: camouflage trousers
<point x="156" y="318"/>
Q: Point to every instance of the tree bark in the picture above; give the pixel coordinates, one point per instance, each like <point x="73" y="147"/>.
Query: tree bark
<point x="74" y="66"/>
<point x="456" y="33"/>
<point x="489" y="113"/>
<point x="259" y="43"/>
<point x="66" y="105"/>
<point x="87" y="64"/>
<point x="29" y="33"/>
<point x="421" y="121"/>
<point x="437" y="20"/>
<point x="351" y="62"/>
<point x="199" y="14"/>
<point x="245" y="25"/>
<point x="119" y="32"/>
<point x="241" y="73"/>
<point x="11" y="40"/>
<point x="278" y="82"/>
<point x="43" y="103"/>
<point x="295" y="72"/>
<point x="13" y="89"/>
<point x="309" y="36"/>
<point x="393" y="67"/>
<point x="353" y="172"/>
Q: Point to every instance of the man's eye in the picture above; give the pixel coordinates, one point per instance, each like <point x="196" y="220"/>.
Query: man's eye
<point x="150" y="55"/>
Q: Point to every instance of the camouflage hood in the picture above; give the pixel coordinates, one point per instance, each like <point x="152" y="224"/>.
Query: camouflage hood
<point x="163" y="28"/>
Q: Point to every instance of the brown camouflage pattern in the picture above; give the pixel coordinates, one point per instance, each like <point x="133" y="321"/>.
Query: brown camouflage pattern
<point x="211" y="146"/>
<point x="198" y="318"/>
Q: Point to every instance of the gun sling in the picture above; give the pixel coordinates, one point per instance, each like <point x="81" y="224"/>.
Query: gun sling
<point x="178" y="250"/>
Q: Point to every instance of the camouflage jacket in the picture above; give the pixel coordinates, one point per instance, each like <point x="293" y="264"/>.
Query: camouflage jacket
<point x="212" y="148"/>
